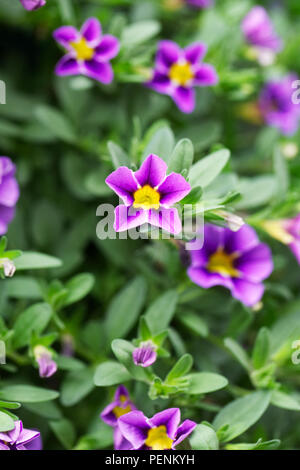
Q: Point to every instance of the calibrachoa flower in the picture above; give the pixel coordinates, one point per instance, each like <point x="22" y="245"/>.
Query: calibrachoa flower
<point x="18" y="438"/>
<point x="235" y="260"/>
<point x="277" y="107"/>
<point x="145" y="355"/>
<point x="112" y="412"/>
<point x="200" y="3"/>
<point x="33" y="4"/>
<point x="9" y="193"/>
<point x="148" y="194"/>
<point x="47" y="366"/>
<point x="177" y="71"/>
<point x="287" y="231"/>
<point x="161" y="432"/>
<point x="88" y="51"/>
<point x="259" y="32"/>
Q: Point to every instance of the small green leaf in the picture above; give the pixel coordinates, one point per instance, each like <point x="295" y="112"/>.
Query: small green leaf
<point x="161" y="144"/>
<point x="204" y="438"/>
<point x="31" y="260"/>
<point x="180" y="369"/>
<point x="161" y="312"/>
<point x="27" y="394"/>
<point x="208" y="168"/>
<point x="261" y="349"/>
<point x="182" y="156"/>
<point x="137" y="33"/>
<point x="77" y="385"/>
<point x="79" y="287"/>
<point x="56" y="122"/>
<point x="285" y="401"/>
<point x="118" y="156"/>
<point x="205" y="382"/>
<point x="110" y="373"/>
<point x="64" y="431"/>
<point x="34" y="319"/>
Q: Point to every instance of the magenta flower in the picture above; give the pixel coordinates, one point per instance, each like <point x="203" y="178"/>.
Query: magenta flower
<point x="47" y="366"/>
<point x="9" y="193"/>
<point x="277" y="107"/>
<point x="177" y="71"/>
<point x="259" y="32"/>
<point x="145" y="355"/>
<point x="88" y="51"/>
<point x="162" y="432"/>
<point x="148" y="194"/>
<point x="17" y="439"/>
<point x="235" y="260"/>
<point x="33" y="4"/>
<point x="112" y="412"/>
<point x="200" y="3"/>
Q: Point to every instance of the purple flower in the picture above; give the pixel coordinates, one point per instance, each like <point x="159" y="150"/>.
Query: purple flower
<point x="145" y="355"/>
<point x="112" y="412"/>
<point x="33" y="4"/>
<point x="47" y="367"/>
<point x="18" y="438"/>
<point x="88" y="51"/>
<point x="277" y="107"/>
<point x="235" y="260"/>
<point x="292" y="226"/>
<point x="161" y="432"/>
<point x="177" y="71"/>
<point x="9" y="193"/>
<point x="259" y="32"/>
<point x="200" y="3"/>
<point x="148" y="194"/>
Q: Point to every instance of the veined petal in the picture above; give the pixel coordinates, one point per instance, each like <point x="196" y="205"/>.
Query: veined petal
<point x="184" y="430"/>
<point x="127" y="218"/>
<point x="167" y="219"/>
<point x="169" y="418"/>
<point x="134" y="427"/>
<point x="173" y="189"/>
<point x="122" y="182"/>
<point x="152" y="171"/>
<point x="27" y="435"/>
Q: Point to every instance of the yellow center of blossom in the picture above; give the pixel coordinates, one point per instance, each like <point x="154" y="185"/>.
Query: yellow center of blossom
<point x="119" y="410"/>
<point x="181" y="73"/>
<point x="82" y="49"/>
<point x="223" y="263"/>
<point x="158" y="439"/>
<point x="146" y="198"/>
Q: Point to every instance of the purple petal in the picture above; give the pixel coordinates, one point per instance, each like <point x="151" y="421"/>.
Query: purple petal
<point x="144" y="356"/>
<point x="121" y="392"/>
<point x="91" y="31"/>
<point x="195" y="52"/>
<point x="3" y="446"/>
<point x="169" y="418"/>
<point x="47" y="367"/>
<point x="168" y="53"/>
<point x="134" y="427"/>
<point x="68" y="66"/>
<point x="66" y="34"/>
<point x="26" y="436"/>
<point x="35" y="444"/>
<point x="7" y="168"/>
<point x="256" y="264"/>
<point x="120" y="443"/>
<point x="152" y="171"/>
<point x="213" y="238"/>
<point x="206" y="75"/>
<point x="243" y="240"/>
<point x="295" y="249"/>
<point x="167" y="219"/>
<point x="127" y="218"/>
<point x="173" y="189"/>
<point x="108" y="48"/>
<point x="186" y="428"/>
<point x="33" y="4"/>
<point x="258" y="30"/>
<point x="108" y="415"/>
<point x="6" y="216"/>
<point x="199" y="258"/>
<point x="160" y="82"/>
<point x="100" y="71"/>
<point x="207" y="279"/>
<point x="14" y="434"/>
<point x="123" y="183"/>
<point x="185" y="99"/>
<point x="247" y="292"/>
<point x="9" y="191"/>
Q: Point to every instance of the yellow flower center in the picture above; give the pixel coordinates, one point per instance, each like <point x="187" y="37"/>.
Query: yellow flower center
<point x="82" y="49"/>
<point x="223" y="263"/>
<point x="146" y="198"/>
<point x="181" y="73"/>
<point x="158" y="439"/>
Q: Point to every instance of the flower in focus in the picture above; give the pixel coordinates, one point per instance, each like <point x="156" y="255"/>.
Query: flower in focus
<point x="9" y="193"/>
<point x="235" y="260"/>
<point x="47" y="366"/>
<point x="277" y="106"/>
<point x="120" y="406"/>
<point x="148" y="194"/>
<point x="259" y="32"/>
<point x="88" y="51"/>
<point x="145" y="355"/>
<point x="177" y="71"/>
<point x="287" y="231"/>
<point x="161" y="432"/>
<point x="17" y="439"/>
<point x="200" y="3"/>
<point x="33" y="4"/>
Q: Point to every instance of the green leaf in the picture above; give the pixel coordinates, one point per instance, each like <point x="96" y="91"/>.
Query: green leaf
<point x="282" y="175"/>
<point x="161" y="312"/>
<point x="208" y="168"/>
<point x="182" y="156"/>
<point x="259" y="445"/>
<point x="204" y="438"/>
<point x="100" y="439"/>
<point x="10" y="405"/>
<point x="238" y="352"/>
<point x="137" y="33"/>
<point x="34" y="319"/>
<point x="118" y="156"/>
<point x="285" y="401"/>
<point x="64" y="431"/>
<point x="77" y="385"/>
<point x="161" y="144"/>
<point x="22" y="287"/>
<point x="255" y="191"/>
<point x="56" y="122"/>
<point x="31" y="260"/>
<point x="284" y="331"/>
<point x="110" y="373"/>
<point x="125" y="309"/>
<point x="194" y="323"/>
<point x="79" y="287"/>
<point x="48" y="409"/>
<point x="261" y="349"/>
<point x="180" y="369"/>
<point x="6" y="422"/>
<point x="27" y="394"/>
<point x="205" y="382"/>
<point x="240" y="415"/>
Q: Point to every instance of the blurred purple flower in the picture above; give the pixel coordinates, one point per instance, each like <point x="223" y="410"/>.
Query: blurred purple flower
<point x="9" y="193"/>
<point x="200" y="3"/>
<point x="145" y="355"/>
<point x="177" y="71"/>
<point x="47" y="366"/>
<point x="148" y="194"/>
<point x="235" y="260"/>
<point x="161" y="432"/>
<point x="17" y="439"/>
<point x="277" y="107"/>
<point x="88" y="51"/>
<point x="33" y="4"/>
<point x="292" y="226"/>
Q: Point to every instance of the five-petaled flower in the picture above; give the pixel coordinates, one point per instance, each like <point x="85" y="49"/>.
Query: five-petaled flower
<point x="161" y="432"/>
<point x="18" y="438"/>
<point x="9" y="193"/>
<point x="177" y="71"/>
<point x="277" y="107"/>
<point x="235" y="260"/>
<point x="88" y="51"/>
<point x="148" y="195"/>
<point x="33" y="4"/>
